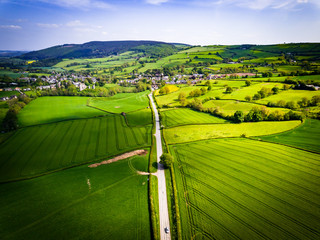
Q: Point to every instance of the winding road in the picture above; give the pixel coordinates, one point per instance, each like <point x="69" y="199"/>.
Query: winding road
<point x="162" y="191"/>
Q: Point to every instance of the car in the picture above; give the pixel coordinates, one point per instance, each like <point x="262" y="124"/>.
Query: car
<point x="166" y="229"/>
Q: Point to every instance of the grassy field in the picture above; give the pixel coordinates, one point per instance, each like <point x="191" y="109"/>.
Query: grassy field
<point x="305" y="136"/>
<point x="245" y="189"/>
<point x="195" y="132"/>
<point x="184" y="116"/>
<point x="240" y="94"/>
<point x="290" y="95"/>
<point x="40" y="149"/>
<point x="8" y="93"/>
<point x="122" y="102"/>
<point x="107" y="202"/>
<point x="229" y="107"/>
<point x="139" y="118"/>
<point x="53" y="109"/>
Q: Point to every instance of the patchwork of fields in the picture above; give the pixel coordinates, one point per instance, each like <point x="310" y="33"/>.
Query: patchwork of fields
<point x="55" y="146"/>
<point x="246" y="189"/>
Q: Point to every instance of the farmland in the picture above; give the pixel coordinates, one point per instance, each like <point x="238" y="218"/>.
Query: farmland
<point x="53" y="109"/>
<point x="184" y="116"/>
<point x="123" y="102"/>
<point x="305" y="136"/>
<point x="107" y="202"/>
<point x="67" y="144"/>
<point x="245" y="189"/>
<point x="193" y="132"/>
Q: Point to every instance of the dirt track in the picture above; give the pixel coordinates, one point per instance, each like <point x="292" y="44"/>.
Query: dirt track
<point x="120" y="157"/>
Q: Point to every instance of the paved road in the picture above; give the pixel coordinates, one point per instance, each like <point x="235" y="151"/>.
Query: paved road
<point x="162" y="191"/>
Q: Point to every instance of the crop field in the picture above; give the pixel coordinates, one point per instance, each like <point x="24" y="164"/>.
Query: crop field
<point x="246" y="189"/>
<point x="229" y="107"/>
<point x="184" y="116"/>
<point x="194" y="132"/>
<point x="53" y="109"/>
<point x="290" y="95"/>
<point x="122" y="102"/>
<point x="40" y="149"/>
<point x="107" y="202"/>
<point x="306" y="136"/>
<point x="139" y="118"/>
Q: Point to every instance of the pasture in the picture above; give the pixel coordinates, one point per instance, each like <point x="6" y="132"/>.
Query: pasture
<point x="139" y="118"/>
<point x="306" y="136"/>
<point x="52" y="109"/>
<point x="195" y="132"/>
<point x="184" y="116"/>
<point x="107" y="202"/>
<point x="246" y="189"/>
<point x="37" y="150"/>
<point x="229" y="107"/>
<point x="8" y="93"/>
<point x="122" y="102"/>
<point x="290" y="95"/>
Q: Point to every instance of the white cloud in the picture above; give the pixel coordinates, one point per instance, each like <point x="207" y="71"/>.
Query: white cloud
<point x="75" y="23"/>
<point x="48" y="25"/>
<point x="10" y="27"/>
<point x="156" y="2"/>
<point x="83" y="4"/>
<point x="256" y="4"/>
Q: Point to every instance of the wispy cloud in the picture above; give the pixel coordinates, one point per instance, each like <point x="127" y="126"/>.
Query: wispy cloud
<point x="48" y="25"/>
<point x="83" y="4"/>
<point x="10" y="27"/>
<point x="156" y="2"/>
<point x="256" y="4"/>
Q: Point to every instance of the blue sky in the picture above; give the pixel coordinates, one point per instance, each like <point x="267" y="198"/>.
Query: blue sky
<point x="37" y="24"/>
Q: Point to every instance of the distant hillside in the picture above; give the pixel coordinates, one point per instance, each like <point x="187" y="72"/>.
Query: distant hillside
<point x="101" y="49"/>
<point x="4" y="53"/>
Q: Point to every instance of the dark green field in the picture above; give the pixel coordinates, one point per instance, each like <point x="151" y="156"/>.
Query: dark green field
<point x="245" y="189"/>
<point x="306" y="136"/>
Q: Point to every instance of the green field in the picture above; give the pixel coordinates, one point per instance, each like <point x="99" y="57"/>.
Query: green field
<point x="184" y="116"/>
<point x="53" y="109"/>
<point x="139" y="118"/>
<point x="107" y="202"/>
<point x="195" y="132"/>
<point x="40" y="149"/>
<point x="306" y="136"/>
<point x="290" y="95"/>
<point x="8" y="93"/>
<point x="246" y="189"/>
<point x="122" y="102"/>
<point x="229" y="107"/>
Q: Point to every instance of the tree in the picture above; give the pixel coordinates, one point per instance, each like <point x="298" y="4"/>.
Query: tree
<point x="166" y="160"/>
<point x="238" y="116"/>
<point x="248" y="83"/>
<point x="248" y="98"/>
<point x="229" y="90"/>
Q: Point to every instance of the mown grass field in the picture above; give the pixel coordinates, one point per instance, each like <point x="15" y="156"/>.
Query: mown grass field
<point x="195" y="132"/>
<point x="122" y="102"/>
<point x="53" y="109"/>
<point x="184" y="116"/>
<point x="306" y="136"/>
<point x="139" y="118"/>
<point x="40" y="149"/>
<point x="107" y="202"/>
<point x="246" y="189"/>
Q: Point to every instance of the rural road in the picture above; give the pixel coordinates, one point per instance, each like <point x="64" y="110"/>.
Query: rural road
<point x="162" y="191"/>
